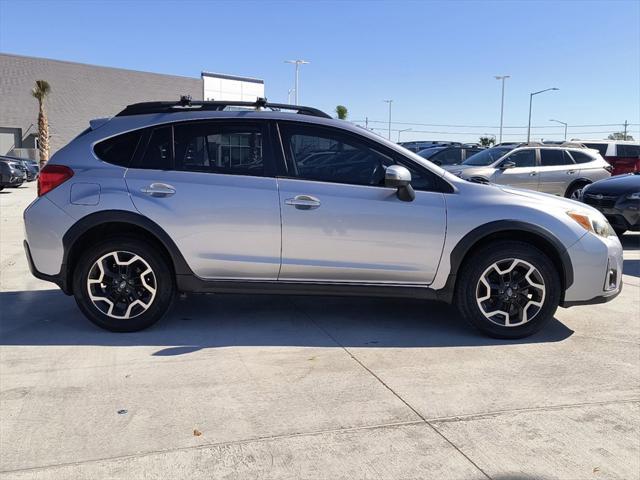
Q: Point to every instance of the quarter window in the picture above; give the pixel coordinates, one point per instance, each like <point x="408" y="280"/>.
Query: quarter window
<point x="118" y="150"/>
<point x="581" y="157"/>
<point x="626" y="150"/>
<point x="215" y="148"/>
<point x="552" y="158"/>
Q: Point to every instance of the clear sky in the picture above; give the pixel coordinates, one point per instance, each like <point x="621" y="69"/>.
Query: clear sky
<point x="436" y="60"/>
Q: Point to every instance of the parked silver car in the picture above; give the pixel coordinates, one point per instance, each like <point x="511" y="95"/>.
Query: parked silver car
<point x="551" y="169"/>
<point x="186" y="196"/>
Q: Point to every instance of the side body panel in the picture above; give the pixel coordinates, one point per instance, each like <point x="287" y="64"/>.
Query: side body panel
<point x="360" y="234"/>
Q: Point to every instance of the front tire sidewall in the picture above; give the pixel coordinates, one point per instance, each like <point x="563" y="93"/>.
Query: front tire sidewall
<point x="157" y="262"/>
<point x="480" y="261"/>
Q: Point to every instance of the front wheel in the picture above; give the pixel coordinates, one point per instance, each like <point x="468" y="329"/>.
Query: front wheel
<point x="123" y="284"/>
<point x="508" y="289"/>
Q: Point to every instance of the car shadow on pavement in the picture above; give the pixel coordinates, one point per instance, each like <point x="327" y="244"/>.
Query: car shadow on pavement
<point x="48" y="317"/>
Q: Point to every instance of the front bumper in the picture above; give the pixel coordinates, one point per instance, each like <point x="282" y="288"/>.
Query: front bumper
<point x="597" y="264"/>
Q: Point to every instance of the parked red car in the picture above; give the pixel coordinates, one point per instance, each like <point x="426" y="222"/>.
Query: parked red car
<point x="622" y="155"/>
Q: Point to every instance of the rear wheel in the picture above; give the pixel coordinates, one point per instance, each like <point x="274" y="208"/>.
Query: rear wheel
<point x="123" y="284"/>
<point x="508" y="289"/>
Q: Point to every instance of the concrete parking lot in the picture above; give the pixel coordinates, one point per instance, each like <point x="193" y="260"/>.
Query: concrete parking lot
<point x="300" y="387"/>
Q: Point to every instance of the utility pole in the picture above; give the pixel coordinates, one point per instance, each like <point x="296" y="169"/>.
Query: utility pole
<point x="503" y="78"/>
<point x="400" y="131"/>
<point x="626" y="124"/>
<point x="366" y="123"/>
<point x="389" y="102"/>
<point x="297" y="63"/>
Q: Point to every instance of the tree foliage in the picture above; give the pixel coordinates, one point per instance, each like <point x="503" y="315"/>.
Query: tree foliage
<point x="619" y="136"/>
<point x="487" y="141"/>
<point x="40" y="93"/>
<point x="342" y="112"/>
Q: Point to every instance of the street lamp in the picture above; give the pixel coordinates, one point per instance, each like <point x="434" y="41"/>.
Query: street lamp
<point x="530" y="103"/>
<point x="389" y="102"/>
<point x="503" y="78"/>
<point x="289" y="92"/>
<point x="400" y="131"/>
<point x="297" y="63"/>
<point x="565" y="127"/>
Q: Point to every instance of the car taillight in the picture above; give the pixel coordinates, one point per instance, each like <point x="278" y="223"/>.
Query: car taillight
<point x="52" y="176"/>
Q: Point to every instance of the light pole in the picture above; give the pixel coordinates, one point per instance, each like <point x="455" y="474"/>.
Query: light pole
<point x="389" y="102"/>
<point x="503" y="78"/>
<point x="400" y="131"/>
<point x="297" y="63"/>
<point x="289" y="92"/>
<point x="530" y="103"/>
<point x="565" y="127"/>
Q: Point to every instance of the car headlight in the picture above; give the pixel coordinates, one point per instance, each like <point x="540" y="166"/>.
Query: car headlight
<point x="634" y="196"/>
<point x="596" y="224"/>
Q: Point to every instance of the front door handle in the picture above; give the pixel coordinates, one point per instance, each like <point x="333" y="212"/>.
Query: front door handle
<point x="159" y="190"/>
<point x="571" y="172"/>
<point x="533" y="174"/>
<point x="303" y="202"/>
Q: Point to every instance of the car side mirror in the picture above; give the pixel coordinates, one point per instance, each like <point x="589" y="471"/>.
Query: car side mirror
<point x="397" y="176"/>
<point x="507" y="165"/>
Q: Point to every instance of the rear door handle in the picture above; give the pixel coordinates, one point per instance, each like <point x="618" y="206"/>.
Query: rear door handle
<point x="533" y="174"/>
<point x="303" y="202"/>
<point x="571" y="172"/>
<point x="159" y="190"/>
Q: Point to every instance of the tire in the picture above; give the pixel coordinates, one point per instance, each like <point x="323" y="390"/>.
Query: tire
<point x="470" y="289"/>
<point x="146" y="284"/>
<point x="574" y="192"/>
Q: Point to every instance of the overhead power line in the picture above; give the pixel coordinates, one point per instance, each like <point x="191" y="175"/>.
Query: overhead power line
<point x="494" y="126"/>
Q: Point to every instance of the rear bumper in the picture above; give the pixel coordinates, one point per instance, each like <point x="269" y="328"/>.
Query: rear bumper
<point x="58" y="279"/>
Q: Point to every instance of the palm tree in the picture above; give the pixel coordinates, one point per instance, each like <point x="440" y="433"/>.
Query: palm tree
<point x="40" y="92"/>
<point x="341" y="112"/>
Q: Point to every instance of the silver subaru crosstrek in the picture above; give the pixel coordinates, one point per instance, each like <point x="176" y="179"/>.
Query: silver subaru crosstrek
<point x="559" y="170"/>
<point x="185" y="196"/>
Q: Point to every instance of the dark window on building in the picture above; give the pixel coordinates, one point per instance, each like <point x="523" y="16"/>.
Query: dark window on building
<point x="330" y="156"/>
<point x="601" y="147"/>
<point x="581" y="157"/>
<point x="626" y="150"/>
<point x="552" y="158"/>
<point x="157" y="155"/>
<point x="215" y="148"/>
<point x="118" y="150"/>
<point x="523" y="158"/>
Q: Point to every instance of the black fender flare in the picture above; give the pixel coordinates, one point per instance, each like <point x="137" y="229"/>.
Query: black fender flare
<point x="476" y="235"/>
<point x="92" y="220"/>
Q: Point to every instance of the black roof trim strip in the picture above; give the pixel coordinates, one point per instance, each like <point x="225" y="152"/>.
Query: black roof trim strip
<point x="187" y="105"/>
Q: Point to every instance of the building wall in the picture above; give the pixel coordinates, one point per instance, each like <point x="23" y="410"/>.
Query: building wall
<point x="79" y="93"/>
<point x="228" y="87"/>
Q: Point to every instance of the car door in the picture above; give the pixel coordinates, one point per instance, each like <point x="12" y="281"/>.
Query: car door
<point x="523" y="173"/>
<point x="557" y="171"/>
<point x="210" y="186"/>
<point x="340" y="224"/>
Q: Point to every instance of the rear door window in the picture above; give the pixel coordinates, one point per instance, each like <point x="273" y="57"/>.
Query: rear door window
<point x="553" y="158"/>
<point x="214" y="147"/>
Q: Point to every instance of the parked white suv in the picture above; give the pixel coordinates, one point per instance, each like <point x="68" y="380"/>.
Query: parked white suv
<point x="549" y="169"/>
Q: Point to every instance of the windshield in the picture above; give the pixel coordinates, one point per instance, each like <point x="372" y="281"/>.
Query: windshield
<point x="429" y="152"/>
<point x="487" y="157"/>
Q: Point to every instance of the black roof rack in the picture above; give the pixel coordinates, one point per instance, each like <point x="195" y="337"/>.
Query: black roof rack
<point x="185" y="104"/>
